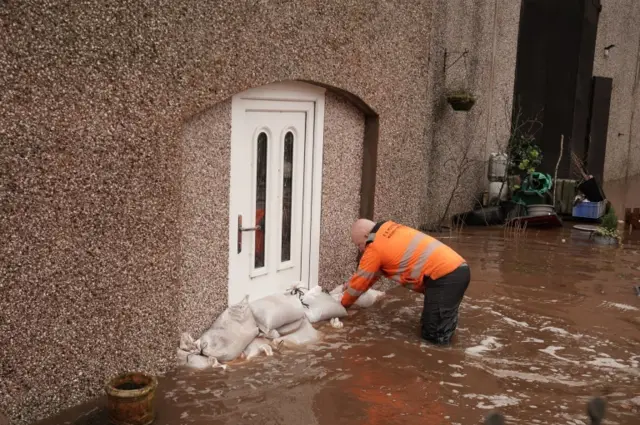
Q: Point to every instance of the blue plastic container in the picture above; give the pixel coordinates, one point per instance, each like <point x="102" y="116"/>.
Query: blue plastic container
<point x="588" y="209"/>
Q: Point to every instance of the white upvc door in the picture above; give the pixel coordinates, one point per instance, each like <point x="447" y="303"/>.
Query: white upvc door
<point x="271" y="197"/>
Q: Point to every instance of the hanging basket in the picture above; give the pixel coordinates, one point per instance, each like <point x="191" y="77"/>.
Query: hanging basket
<point x="461" y="101"/>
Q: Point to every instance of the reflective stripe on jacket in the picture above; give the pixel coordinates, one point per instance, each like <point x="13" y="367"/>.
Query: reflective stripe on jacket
<point x="402" y="254"/>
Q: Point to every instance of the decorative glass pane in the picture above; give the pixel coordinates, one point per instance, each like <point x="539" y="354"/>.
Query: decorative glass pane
<point x="287" y="194"/>
<point x="261" y="200"/>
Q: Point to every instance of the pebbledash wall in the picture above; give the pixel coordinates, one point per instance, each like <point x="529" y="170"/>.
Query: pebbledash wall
<point x="115" y="150"/>
<point x="618" y="26"/>
<point x="472" y="47"/>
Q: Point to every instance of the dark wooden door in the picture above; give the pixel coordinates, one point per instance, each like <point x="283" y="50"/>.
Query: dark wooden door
<point x="556" y="49"/>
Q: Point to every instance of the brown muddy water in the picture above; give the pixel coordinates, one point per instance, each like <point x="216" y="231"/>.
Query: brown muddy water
<point x="549" y="321"/>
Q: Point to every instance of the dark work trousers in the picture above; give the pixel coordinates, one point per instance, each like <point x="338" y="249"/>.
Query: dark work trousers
<point x="442" y="298"/>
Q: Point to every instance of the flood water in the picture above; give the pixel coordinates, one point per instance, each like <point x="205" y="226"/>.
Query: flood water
<point x="549" y="321"/>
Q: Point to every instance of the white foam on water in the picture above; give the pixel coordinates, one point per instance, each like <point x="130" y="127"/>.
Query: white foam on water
<point x="619" y="306"/>
<point x="536" y="340"/>
<point x="533" y="377"/>
<point x="452" y="384"/>
<point x="490" y="343"/>
<point x="493" y="401"/>
<point x="456" y="366"/>
<point x="607" y="362"/>
<point x="515" y="322"/>
<point x="458" y="375"/>
<point x="407" y="311"/>
<point x="551" y="350"/>
<point x="555" y="330"/>
<point x="389" y="356"/>
<point x="492" y="311"/>
<point x="591" y="350"/>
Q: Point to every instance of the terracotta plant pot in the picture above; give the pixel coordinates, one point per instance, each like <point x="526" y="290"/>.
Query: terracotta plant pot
<point x="461" y="101"/>
<point x="130" y="399"/>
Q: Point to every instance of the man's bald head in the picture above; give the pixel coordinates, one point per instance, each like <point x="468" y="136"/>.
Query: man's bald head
<point x="360" y="232"/>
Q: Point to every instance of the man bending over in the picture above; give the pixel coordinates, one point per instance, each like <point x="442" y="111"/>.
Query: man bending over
<point x="416" y="261"/>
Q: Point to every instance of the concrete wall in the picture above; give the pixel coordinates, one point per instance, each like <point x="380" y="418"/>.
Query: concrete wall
<point x="618" y="25"/>
<point x="460" y="142"/>
<point x="111" y="124"/>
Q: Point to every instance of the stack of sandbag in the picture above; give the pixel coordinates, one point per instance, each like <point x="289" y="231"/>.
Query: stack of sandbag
<point x="278" y="315"/>
<point x="224" y="341"/>
<point x="320" y="305"/>
<point x="366" y="300"/>
<point x="283" y="319"/>
<point x="305" y="334"/>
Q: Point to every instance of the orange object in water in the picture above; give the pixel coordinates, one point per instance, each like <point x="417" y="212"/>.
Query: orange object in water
<point x="130" y="399"/>
<point x="403" y="254"/>
<point x="415" y="398"/>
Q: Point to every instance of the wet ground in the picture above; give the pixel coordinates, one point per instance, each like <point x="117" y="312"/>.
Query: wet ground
<point x="550" y="320"/>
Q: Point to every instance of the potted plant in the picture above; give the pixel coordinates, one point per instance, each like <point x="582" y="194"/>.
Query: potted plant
<point x="461" y="100"/>
<point x="607" y="233"/>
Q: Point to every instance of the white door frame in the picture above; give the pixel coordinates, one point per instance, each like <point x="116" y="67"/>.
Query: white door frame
<point x="291" y="92"/>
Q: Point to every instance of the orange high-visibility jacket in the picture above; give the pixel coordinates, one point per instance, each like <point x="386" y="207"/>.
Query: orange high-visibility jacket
<point x="402" y="254"/>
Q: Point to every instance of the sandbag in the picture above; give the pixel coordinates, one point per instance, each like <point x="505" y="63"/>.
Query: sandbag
<point x="230" y="334"/>
<point x="257" y="347"/>
<point x="275" y="311"/>
<point x="305" y="335"/>
<point x="188" y="344"/>
<point x="283" y="330"/>
<point x="366" y="300"/>
<point x="197" y="361"/>
<point x="290" y="328"/>
<point x="321" y="306"/>
<point x="182" y="356"/>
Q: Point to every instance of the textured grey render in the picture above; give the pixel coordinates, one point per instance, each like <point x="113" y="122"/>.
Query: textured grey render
<point x="618" y="25"/>
<point x="488" y="32"/>
<point x="114" y="155"/>
<point x="103" y="120"/>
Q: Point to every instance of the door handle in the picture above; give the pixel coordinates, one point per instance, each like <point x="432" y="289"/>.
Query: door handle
<point x="249" y="229"/>
<point x="244" y="229"/>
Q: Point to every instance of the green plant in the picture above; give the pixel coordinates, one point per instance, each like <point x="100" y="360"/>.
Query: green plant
<point x="461" y="96"/>
<point x="610" y="220"/>
<point x="602" y="231"/>
<point x="609" y="226"/>
<point x="525" y="155"/>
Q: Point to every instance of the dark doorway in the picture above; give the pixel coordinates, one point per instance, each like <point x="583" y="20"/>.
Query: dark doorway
<point x="556" y="49"/>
